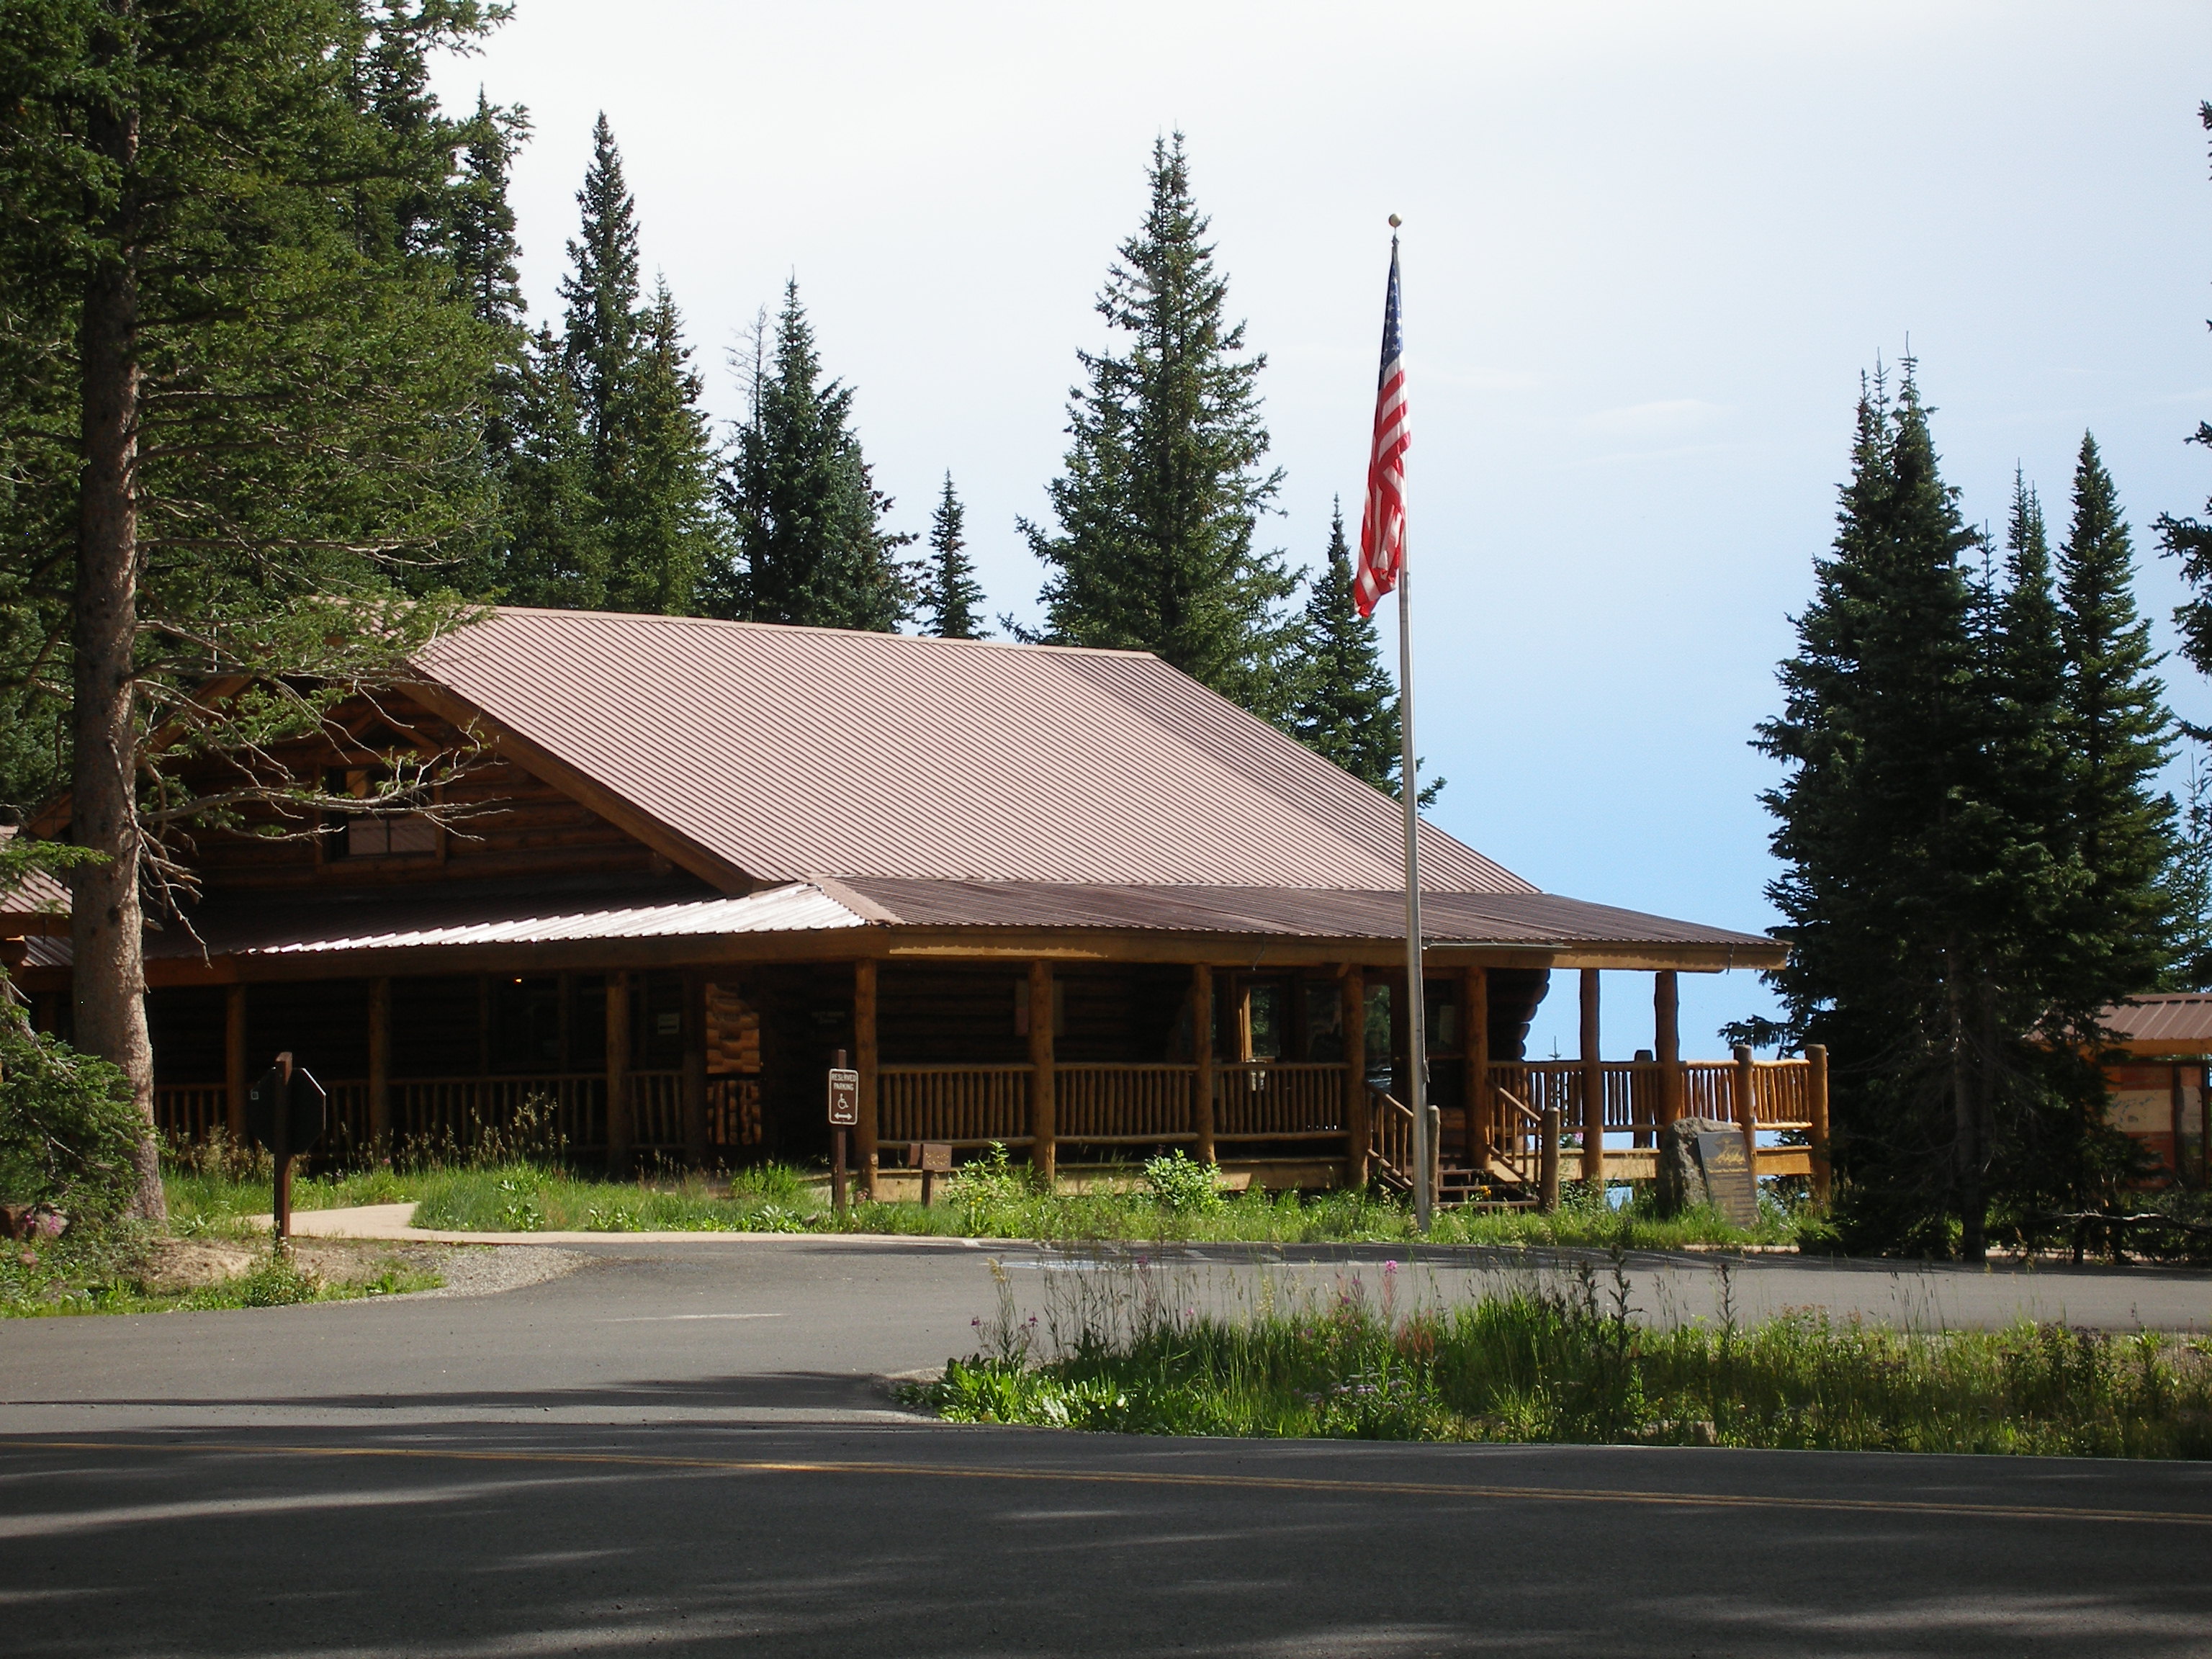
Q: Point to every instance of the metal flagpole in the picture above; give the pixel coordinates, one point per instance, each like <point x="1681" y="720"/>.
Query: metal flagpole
<point x="1417" y="1000"/>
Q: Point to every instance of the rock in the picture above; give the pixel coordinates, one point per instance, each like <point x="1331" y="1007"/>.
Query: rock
<point x="1681" y="1178"/>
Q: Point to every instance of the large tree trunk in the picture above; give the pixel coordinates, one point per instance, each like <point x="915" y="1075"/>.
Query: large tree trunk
<point x="1966" y="1122"/>
<point x="105" y="927"/>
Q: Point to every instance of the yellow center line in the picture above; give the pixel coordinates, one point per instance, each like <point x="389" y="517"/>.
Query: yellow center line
<point x="1347" y="1488"/>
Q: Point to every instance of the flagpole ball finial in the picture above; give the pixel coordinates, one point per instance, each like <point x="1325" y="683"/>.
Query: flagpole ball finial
<point x="1395" y="222"/>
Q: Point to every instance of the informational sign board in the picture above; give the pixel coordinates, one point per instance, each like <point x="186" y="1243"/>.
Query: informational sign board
<point x="933" y="1156"/>
<point x="844" y="1098"/>
<point x="1729" y="1187"/>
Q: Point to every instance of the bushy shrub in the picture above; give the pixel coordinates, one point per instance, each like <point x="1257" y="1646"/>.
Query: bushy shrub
<point x="1177" y="1183"/>
<point x="67" y="1124"/>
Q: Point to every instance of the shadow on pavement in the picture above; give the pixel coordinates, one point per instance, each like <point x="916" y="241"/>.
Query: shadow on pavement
<point x="480" y="1540"/>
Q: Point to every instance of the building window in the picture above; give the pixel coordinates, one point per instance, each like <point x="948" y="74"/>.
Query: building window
<point x="374" y="837"/>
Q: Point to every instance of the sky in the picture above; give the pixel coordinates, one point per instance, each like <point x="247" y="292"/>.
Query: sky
<point x="1649" y="252"/>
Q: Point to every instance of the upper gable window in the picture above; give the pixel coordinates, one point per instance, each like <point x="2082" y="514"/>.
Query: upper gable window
<point x="381" y="835"/>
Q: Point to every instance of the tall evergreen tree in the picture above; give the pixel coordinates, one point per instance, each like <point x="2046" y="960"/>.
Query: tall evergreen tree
<point x="663" y="522"/>
<point x="1888" y="837"/>
<point x="951" y="598"/>
<point x="2190" y="541"/>
<point x="1162" y="487"/>
<point x="1345" y="705"/>
<point x="554" y="547"/>
<point x="806" y="513"/>
<point x="2118" y="738"/>
<point x="601" y="291"/>
<point x="239" y="394"/>
<point x="480" y="233"/>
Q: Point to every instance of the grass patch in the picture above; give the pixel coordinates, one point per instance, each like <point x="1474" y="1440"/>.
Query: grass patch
<point x="1130" y="1351"/>
<point x="110" y="1273"/>
<point x="1170" y="1199"/>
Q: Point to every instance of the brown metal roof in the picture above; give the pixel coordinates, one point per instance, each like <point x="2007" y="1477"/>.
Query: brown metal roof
<point x="36" y="904"/>
<point x="1520" y="918"/>
<point x="2175" y="1023"/>
<point x="797" y="753"/>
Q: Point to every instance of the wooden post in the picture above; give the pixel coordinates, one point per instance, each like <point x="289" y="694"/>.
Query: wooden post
<point x="1593" y="1090"/>
<point x="1475" y="1007"/>
<point x="1547" y="1163"/>
<point x="1358" y="1130"/>
<point x="1202" y="1028"/>
<point x="1667" y="1042"/>
<point x="618" y="1122"/>
<point x="695" y="1070"/>
<point x="380" y="1069"/>
<point x="1747" y="1117"/>
<point x="864" y="1061"/>
<point x="234" y="1065"/>
<point x="1816" y="1056"/>
<point x="1044" y="1152"/>
<point x="837" y="1149"/>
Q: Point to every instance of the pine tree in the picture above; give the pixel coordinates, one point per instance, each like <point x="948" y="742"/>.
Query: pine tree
<point x="480" y="234"/>
<point x="1345" y="705"/>
<point x="554" y="551"/>
<point x="239" y="398"/>
<point x="601" y="291"/>
<point x="1888" y="837"/>
<point x="1161" y="490"/>
<point x="2117" y="737"/>
<point x="806" y="513"/>
<point x="951" y="598"/>
<point x="663" y="523"/>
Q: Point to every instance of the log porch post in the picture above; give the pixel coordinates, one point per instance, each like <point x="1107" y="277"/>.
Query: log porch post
<point x="1359" y="1132"/>
<point x="1816" y="1056"/>
<point x="1475" y="1004"/>
<point x="1202" y="1030"/>
<point x="380" y="1067"/>
<point x="1044" y="1150"/>
<point x="1667" y="1042"/>
<point x="864" y="1061"/>
<point x="694" y="1069"/>
<point x="1746" y="1115"/>
<point x="618" y="1123"/>
<point x="234" y="1064"/>
<point x="1593" y="1088"/>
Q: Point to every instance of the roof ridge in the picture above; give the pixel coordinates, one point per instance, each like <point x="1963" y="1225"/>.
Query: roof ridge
<point x="660" y="619"/>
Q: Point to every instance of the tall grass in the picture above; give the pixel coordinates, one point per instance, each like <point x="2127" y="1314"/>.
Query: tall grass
<point x="1137" y="1348"/>
<point x="492" y="1185"/>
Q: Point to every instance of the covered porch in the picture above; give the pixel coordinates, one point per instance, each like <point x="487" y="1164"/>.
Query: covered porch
<point x="1071" y="1064"/>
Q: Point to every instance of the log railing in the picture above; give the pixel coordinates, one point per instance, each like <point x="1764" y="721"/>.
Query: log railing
<point x="1279" y="1100"/>
<point x="1107" y="1105"/>
<point x="1390" y="1141"/>
<point x="965" y="1105"/>
<point x="191" y="1111"/>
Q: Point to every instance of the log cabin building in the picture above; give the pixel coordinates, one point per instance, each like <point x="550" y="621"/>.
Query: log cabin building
<point x="1067" y="901"/>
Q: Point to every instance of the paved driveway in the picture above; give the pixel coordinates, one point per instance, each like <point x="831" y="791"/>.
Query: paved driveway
<point x="679" y="1446"/>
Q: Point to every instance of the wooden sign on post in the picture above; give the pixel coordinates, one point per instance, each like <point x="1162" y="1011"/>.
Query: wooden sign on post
<point x="844" y="1097"/>
<point x="1730" y="1186"/>
<point x="844" y="1114"/>
<point x="934" y="1159"/>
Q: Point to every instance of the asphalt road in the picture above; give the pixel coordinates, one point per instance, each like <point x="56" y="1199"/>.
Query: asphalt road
<point x="680" y="1446"/>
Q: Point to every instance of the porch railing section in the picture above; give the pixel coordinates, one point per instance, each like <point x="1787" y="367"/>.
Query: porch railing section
<point x="1107" y="1105"/>
<point x="191" y="1111"/>
<point x="1279" y="1100"/>
<point x="1390" y="1140"/>
<point x="965" y="1105"/>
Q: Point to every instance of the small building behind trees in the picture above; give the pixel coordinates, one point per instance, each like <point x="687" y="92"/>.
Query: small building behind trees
<point x="1064" y="900"/>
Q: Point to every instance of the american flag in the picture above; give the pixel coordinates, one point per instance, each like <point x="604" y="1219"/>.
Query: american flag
<point x="1382" y="522"/>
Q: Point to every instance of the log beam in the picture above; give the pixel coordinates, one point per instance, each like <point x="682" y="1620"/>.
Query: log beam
<point x="1593" y="1088"/>
<point x="1475" y="1003"/>
<point x="1044" y="1151"/>
<point x="1201" y="1029"/>
<point x="695" y="1070"/>
<point x="380" y="1069"/>
<point x="1816" y="1056"/>
<point x="1667" y="1042"/>
<point x="618" y="1114"/>
<point x="866" y="1061"/>
<point x="1359" y="1132"/>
